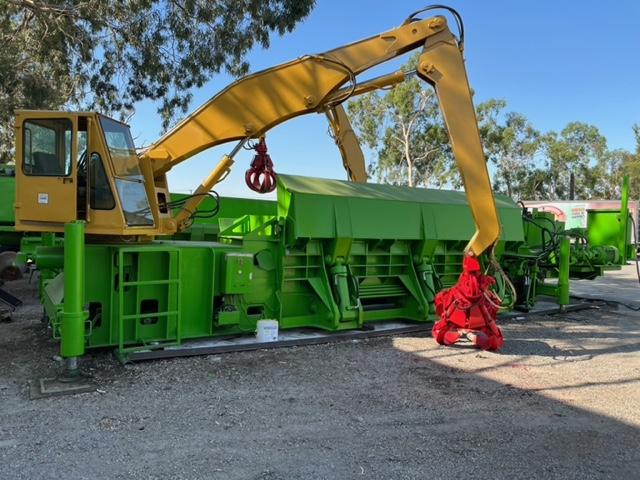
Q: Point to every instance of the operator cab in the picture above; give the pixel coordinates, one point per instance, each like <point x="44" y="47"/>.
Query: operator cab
<point x="83" y="166"/>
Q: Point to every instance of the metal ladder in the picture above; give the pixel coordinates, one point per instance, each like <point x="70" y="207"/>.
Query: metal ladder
<point x="172" y="315"/>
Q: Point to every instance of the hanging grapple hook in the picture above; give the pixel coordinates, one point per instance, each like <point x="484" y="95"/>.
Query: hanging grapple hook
<point x="260" y="176"/>
<point x="469" y="309"/>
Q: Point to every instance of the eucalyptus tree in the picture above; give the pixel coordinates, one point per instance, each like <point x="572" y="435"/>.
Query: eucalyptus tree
<point x="108" y="55"/>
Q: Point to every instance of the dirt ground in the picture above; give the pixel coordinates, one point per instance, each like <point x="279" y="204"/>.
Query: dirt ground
<point x="560" y="401"/>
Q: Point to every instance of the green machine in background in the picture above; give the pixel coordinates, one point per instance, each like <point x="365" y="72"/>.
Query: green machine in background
<point x="9" y="238"/>
<point x="328" y="254"/>
<point x="551" y="252"/>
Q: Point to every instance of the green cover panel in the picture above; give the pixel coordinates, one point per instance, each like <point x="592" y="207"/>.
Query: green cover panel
<point x="320" y="208"/>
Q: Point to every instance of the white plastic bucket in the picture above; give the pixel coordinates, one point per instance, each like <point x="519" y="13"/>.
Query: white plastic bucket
<point x="267" y="331"/>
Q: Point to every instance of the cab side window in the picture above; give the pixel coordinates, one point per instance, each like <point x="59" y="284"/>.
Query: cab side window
<point x="101" y="197"/>
<point x="47" y="147"/>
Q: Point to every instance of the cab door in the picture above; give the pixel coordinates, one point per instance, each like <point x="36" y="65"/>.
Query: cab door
<point x="46" y="170"/>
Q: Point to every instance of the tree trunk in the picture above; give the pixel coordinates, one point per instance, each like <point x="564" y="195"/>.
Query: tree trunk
<point x="409" y="160"/>
<point x="507" y="176"/>
<point x="572" y="186"/>
<point x="507" y="180"/>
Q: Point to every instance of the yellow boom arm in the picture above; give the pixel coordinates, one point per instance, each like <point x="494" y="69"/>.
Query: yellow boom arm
<point x="441" y="64"/>
<point x="348" y="144"/>
<point x="319" y="83"/>
<point x="259" y="102"/>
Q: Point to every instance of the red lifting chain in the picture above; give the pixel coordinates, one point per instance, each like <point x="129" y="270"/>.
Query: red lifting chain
<point x="260" y="177"/>
<point x="469" y="309"/>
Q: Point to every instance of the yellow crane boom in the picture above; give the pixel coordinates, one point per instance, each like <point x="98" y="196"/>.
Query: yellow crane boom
<point x="244" y="110"/>
<point x="257" y="103"/>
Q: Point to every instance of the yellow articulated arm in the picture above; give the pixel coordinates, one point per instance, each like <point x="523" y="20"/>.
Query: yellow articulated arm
<point x="319" y="83"/>
<point x="258" y="102"/>
<point x="348" y="144"/>
<point x="442" y="65"/>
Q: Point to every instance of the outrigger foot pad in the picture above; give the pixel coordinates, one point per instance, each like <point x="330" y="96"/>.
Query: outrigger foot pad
<point x="64" y="384"/>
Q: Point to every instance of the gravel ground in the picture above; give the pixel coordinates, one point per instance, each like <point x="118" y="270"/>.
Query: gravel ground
<point x="561" y="400"/>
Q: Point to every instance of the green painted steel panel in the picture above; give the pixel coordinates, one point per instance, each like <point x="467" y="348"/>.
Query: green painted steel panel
<point x="321" y="208"/>
<point x="605" y="227"/>
<point x="232" y="207"/>
<point x="238" y="214"/>
<point x="7" y="199"/>
<point x="238" y="272"/>
<point x="9" y="237"/>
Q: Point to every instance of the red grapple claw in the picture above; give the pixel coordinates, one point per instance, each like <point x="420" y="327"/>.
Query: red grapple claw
<point x="469" y="309"/>
<point x="260" y="177"/>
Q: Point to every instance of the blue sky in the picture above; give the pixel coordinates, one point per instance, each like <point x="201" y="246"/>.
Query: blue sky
<point x="554" y="61"/>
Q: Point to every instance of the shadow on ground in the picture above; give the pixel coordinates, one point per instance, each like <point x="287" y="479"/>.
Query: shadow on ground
<point x="560" y="401"/>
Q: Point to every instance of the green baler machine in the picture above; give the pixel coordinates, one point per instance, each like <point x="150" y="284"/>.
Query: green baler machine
<point x="328" y="254"/>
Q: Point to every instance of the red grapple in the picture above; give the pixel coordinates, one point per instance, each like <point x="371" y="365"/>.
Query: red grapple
<point x="469" y="309"/>
<point x="260" y="176"/>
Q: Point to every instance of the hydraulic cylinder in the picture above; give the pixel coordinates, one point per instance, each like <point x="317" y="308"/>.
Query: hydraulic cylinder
<point x="73" y="314"/>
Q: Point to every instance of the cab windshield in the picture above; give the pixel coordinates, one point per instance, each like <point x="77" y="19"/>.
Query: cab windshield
<point x="128" y="178"/>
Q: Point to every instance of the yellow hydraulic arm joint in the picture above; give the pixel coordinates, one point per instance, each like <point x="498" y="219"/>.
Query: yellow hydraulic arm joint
<point x="347" y="142"/>
<point x="183" y="218"/>
<point x="342" y="131"/>
<point x="377" y="83"/>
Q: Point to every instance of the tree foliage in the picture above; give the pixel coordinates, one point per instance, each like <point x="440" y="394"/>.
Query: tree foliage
<point x="631" y="164"/>
<point x="510" y="143"/>
<point x="108" y="55"/>
<point x="578" y="151"/>
<point x="403" y="126"/>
